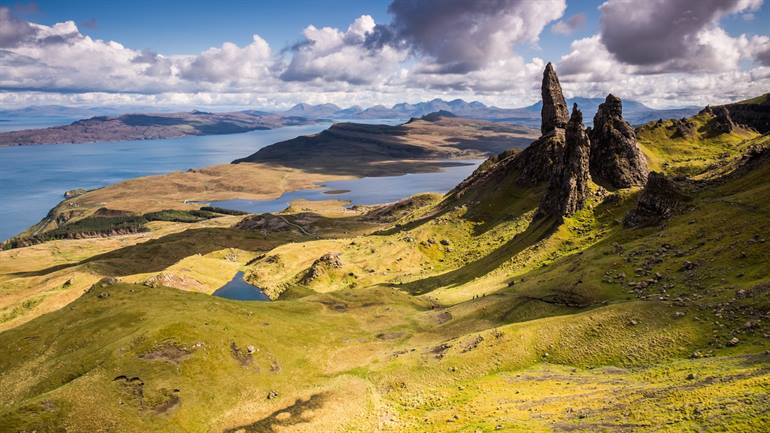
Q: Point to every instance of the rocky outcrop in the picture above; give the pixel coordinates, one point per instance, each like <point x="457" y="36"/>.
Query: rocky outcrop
<point x="754" y="113"/>
<point x="322" y="264"/>
<point x="660" y="199"/>
<point x="302" y="223"/>
<point x="554" y="113"/>
<point x="568" y="188"/>
<point x="683" y="128"/>
<point x="74" y="192"/>
<point x="533" y="165"/>
<point x="616" y="160"/>
<point x="182" y="282"/>
<point x="722" y="122"/>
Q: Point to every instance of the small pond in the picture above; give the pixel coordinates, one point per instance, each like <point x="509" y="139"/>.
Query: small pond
<point x="240" y="290"/>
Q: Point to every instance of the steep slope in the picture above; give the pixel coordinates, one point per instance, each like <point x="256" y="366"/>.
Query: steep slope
<point x="754" y="113"/>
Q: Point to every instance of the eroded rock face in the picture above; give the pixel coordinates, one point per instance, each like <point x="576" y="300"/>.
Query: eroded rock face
<point x="722" y="123"/>
<point x="754" y="114"/>
<point x="616" y="160"/>
<point x="538" y="162"/>
<point x="554" y="113"/>
<point x="568" y="189"/>
<point x="659" y="200"/>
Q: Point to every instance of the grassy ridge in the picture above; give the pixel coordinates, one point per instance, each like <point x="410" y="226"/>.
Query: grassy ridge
<point x="456" y="315"/>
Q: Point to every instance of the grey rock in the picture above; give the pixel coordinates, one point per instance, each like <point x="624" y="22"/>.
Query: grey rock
<point x="568" y="188"/>
<point x="554" y="113"/>
<point x="616" y="159"/>
<point x="659" y="200"/>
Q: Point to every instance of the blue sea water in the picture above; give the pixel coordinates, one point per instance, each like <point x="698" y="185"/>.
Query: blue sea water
<point x="33" y="179"/>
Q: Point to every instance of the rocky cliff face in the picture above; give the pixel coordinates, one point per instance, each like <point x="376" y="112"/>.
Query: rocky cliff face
<point x="554" y="113"/>
<point x="616" y="160"/>
<point x="568" y="188"/>
<point x="754" y="113"/>
<point x="722" y="122"/>
<point x="659" y="200"/>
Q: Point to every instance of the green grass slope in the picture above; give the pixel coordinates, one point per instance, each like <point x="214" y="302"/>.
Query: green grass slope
<point x="462" y="315"/>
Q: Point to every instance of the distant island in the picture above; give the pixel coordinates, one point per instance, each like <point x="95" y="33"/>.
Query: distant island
<point x="113" y="124"/>
<point x="150" y="127"/>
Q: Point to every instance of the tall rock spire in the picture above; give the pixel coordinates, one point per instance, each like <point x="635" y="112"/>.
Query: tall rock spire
<point x="554" y="113"/>
<point x="616" y="160"/>
<point x="568" y="189"/>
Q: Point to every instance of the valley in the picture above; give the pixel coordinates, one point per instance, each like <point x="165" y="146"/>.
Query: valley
<point x="602" y="279"/>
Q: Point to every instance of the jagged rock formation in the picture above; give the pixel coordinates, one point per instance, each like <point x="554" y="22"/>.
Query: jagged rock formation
<point x="554" y="113"/>
<point x="722" y="123"/>
<point x="539" y="161"/>
<point x="616" y="160"/>
<point x="683" y="128"/>
<point x="659" y="199"/>
<point x="568" y="189"/>
<point x="753" y="113"/>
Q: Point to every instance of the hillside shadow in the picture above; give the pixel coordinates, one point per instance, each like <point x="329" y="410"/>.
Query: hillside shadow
<point x="296" y="415"/>
<point x="157" y="254"/>
<point x="535" y="232"/>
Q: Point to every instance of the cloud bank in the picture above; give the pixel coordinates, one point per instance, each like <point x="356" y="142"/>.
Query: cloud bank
<point x="658" y="51"/>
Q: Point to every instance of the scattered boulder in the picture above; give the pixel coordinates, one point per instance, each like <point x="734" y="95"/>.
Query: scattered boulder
<point x="242" y="356"/>
<point x="272" y="394"/>
<point x="568" y="189"/>
<point x="554" y="112"/>
<point x="473" y="343"/>
<point x="659" y="200"/>
<point x="616" y="159"/>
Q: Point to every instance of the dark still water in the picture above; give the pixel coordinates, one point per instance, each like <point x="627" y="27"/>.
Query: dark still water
<point x="240" y="290"/>
<point x="33" y="179"/>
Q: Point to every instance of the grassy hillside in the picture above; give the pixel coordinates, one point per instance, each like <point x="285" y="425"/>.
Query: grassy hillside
<point x="457" y="313"/>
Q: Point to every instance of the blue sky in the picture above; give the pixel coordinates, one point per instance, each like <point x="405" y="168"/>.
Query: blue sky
<point x="663" y="52"/>
<point x="189" y="27"/>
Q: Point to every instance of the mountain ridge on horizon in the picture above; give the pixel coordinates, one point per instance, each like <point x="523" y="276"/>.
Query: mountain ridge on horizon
<point x="528" y="115"/>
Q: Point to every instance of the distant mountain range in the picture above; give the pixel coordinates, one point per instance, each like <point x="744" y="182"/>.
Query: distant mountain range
<point x="635" y="112"/>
